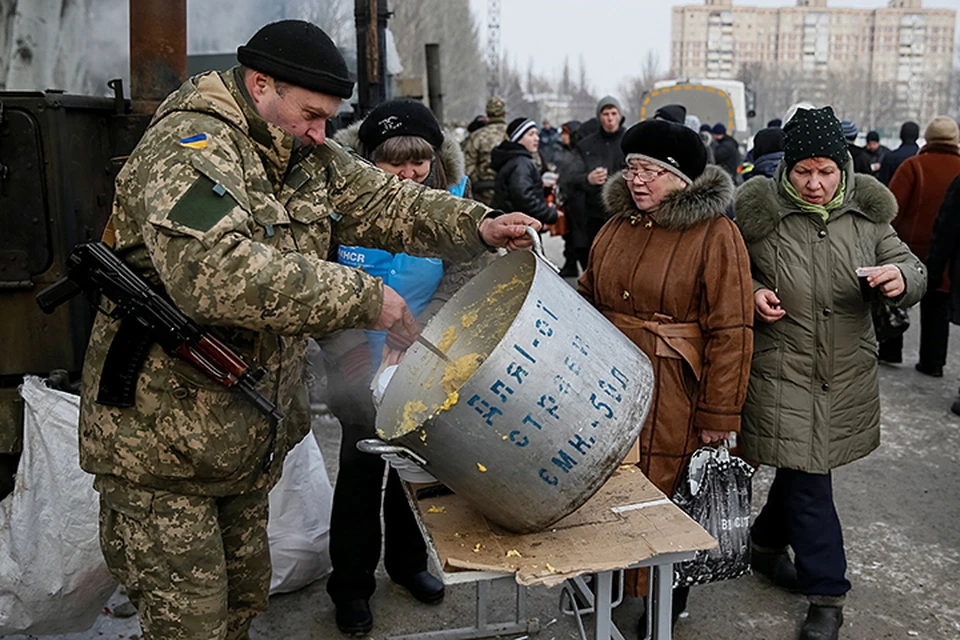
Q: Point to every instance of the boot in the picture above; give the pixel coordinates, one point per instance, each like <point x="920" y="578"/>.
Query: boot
<point x="354" y="617"/>
<point x="775" y="566"/>
<point x="822" y="623"/>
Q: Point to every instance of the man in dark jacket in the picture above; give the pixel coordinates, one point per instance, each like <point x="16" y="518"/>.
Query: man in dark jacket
<point x="875" y="153"/>
<point x="518" y="186"/>
<point x="549" y="142"/>
<point x="601" y="157"/>
<point x="726" y="152"/>
<point x="909" y="133"/>
<point x="861" y="164"/>
<point x="768" y="151"/>
<point x="572" y="200"/>
<point x="943" y="253"/>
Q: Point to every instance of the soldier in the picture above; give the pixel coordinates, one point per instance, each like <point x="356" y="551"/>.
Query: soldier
<point x="228" y="202"/>
<point x="477" y="148"/>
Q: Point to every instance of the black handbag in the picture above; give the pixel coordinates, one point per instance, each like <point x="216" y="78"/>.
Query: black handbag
<point x="889" y="321"/>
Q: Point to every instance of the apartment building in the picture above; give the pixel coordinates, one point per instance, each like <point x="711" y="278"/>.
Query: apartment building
<point x="902" y="50"/>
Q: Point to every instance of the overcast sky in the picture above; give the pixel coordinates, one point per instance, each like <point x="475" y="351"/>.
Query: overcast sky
<point x="612" y="36"/>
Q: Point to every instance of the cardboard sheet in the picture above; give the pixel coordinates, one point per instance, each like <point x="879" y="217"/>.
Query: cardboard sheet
<point x="626" y="522"/>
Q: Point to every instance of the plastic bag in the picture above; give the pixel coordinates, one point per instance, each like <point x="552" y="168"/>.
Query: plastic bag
<point x="53" y="578"/>
<point x="299" y="526"/>
<point x="715" y="492"/>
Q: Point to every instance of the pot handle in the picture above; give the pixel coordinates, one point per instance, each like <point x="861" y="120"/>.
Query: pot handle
<point x="379" y="447"/>
<point x="538" y="248"/>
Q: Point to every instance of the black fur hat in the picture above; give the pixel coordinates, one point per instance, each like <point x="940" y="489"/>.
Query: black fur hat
<point x="674" y="147"/>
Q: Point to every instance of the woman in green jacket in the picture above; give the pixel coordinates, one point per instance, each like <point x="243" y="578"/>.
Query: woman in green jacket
<point x="813" y="402"/>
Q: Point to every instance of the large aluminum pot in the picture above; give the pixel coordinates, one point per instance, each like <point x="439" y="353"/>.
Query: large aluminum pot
<point x="539" y="426"/>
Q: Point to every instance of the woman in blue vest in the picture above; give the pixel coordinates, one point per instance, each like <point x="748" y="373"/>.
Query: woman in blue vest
<point x="401" y="137"/>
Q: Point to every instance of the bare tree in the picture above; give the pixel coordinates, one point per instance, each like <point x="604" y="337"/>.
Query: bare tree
<point x="44" y="43"/>
<point x="635" y="89"/>
<point x="449" y="23"/>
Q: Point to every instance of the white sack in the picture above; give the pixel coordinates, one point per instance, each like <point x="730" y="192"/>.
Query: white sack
<point x="53" y="578"/>
<point x="299" y="525"/>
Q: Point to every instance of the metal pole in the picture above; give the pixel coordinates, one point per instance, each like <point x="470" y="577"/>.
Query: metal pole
<point x="158" y="48"/>
<point x="434" y="86"/>
<point x="371" y="19"/>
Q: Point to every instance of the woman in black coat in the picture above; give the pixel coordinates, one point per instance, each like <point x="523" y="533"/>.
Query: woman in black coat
<point x="518" y="186"/>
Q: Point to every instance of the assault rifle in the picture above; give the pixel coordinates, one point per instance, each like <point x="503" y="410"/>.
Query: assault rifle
<point x="147" y="318"/>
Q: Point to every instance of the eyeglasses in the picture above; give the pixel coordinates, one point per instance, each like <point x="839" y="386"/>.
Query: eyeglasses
<point x="645" y="176"/>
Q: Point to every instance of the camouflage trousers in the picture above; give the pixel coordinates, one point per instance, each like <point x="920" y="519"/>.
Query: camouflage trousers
<point x="195" y="567"/>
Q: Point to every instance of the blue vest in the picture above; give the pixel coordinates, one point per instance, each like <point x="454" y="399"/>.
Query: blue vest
<point x="414" y="279"/>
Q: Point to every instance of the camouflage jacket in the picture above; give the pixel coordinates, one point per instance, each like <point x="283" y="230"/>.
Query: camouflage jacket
<point x="236" y="224"/>
<point x="476" y="153"/>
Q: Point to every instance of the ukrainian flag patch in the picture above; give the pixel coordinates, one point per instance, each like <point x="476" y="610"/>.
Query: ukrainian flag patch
<point x="198" y="141"/>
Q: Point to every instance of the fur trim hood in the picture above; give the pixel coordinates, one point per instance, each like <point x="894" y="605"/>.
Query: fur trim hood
<point x="761" y="203"/>
<point x="705" y="198"/>
<point x="449" y="152"/>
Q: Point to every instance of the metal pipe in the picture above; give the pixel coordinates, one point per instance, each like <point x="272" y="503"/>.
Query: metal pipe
<point x="434" y="84"/>
<point x="158" y="48"/>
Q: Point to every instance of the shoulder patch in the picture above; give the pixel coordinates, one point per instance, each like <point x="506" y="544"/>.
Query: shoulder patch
<point x="203" y="205"/>
<point x="198" y="141"/>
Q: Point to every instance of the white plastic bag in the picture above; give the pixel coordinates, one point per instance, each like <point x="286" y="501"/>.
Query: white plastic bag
<point x="53" y="578"/>
<point x="299" y="525"/>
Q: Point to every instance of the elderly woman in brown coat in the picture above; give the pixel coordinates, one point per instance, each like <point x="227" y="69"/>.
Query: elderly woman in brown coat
<point x="670" y="270"/>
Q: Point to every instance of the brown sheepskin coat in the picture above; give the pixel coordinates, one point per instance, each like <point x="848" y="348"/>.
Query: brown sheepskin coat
<point x="680" y="288"/>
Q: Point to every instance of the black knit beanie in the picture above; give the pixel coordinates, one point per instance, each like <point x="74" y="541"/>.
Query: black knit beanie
<point x="400" y="118"/>
<point x="299" y="53"/>
<point x="769" y="140"/>
<point x="814" y="133"/>
<point x="673" y="146"/>
<point x="672" y="113"/>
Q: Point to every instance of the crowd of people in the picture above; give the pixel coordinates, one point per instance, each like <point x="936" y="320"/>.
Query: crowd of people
<point x="750" y="283"/>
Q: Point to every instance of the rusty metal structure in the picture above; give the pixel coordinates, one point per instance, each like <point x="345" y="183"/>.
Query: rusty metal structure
<point x="59" y="155"/>
<point x="371" y="20"/>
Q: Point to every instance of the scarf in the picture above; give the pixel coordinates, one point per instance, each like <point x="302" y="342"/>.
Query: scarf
<point x="808" y="207"/>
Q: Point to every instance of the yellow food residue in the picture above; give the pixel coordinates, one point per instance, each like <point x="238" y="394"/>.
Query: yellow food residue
<point x="550" y="569"/>
<point x="423" y="436"/>
<point x="459" y="371"/>
<point x="435" y="509"/>
<point x="467" y="320"/>
<point x="410" y="419"/>
<point x="449" y="337"/>
<point x="482" y="468"/>
<point x="451" y="400"/>
<point x="476" y="549"/>
<point x="513" y="553"/>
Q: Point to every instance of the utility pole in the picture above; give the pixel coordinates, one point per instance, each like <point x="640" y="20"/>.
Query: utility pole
<point x="434" y="86"/>
<point x="493" y="46"/>
<point x="371" y="19"/>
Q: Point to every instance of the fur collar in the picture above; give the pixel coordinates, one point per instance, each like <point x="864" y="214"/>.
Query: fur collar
<point x="706" y="198"/>
<point x="761" y="203"/>
<point x="945" y="148"/>
<point x="450" y="154"/>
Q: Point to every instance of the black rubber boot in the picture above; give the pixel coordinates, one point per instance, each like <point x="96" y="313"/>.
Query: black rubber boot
<point x="822" y="623"/>
<point x="354" y="617"/>
<point x="777" y="567"/>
